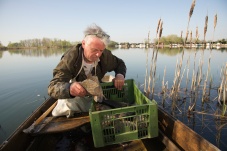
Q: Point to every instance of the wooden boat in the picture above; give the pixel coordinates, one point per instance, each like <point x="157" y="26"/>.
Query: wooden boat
<point x="173" y="135"/>
<point x="66" y="134"/>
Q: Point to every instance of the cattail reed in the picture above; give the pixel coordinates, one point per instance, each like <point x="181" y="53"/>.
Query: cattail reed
<point x="145" y="79"/>
<point x="163" y="81"/>
<point x="188" y="64"/>
<point x="215" y="23"/>
<point x="186" y="38"/>
<point x="154" y="60"/>
<point x="205" y="28"/>
<point x="153" y="64"/>
<point x="197" y="34"/>
<point x="224" y="90"/>
<point x="160" y="31"/>
<point x="148" y="38"/>
<point x="205" y="82"/>
<point x="164" y="88"/>
<point x="191" y="39"/>
<point x="159" y="21"/>
<point x="189" y="17"/>
<point x="192" y="9"/>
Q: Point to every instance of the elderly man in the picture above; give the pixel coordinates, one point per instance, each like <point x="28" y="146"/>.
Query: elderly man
<point x="77" y="64"/>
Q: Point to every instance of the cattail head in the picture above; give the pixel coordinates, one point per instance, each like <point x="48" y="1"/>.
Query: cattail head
<point x="197" y="33"/>
<point x="192" y="8"/>
<point x="215" y="20"/>
<point x="186" y="37"/>
<point x="181" y="34"/>
<point x="191" y="36"/>
<point x="205" y="27"/>
<point x="148" y="37"/>
<point x="159" y="21"/>
<point x="160" y="32"/>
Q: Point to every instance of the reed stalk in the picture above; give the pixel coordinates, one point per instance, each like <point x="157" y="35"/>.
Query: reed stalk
<point x="205" y="28"/>
<point x="190" y="39"/>
<point x="209" y="114"/>
<point x="174" y="81"/>
<point x="145" y="79"/>
<point x="224" y="99"/>
<point x="164" y="87"/>
<point x="154" y="74"/>
<point x="188" y="64"/>
<point x="220" y="91"/>
<point x="189" y="17"/>
<point x="193" y="75"/>
<point x="182" y="75"/>
<point x="204" y="96"/>
<point x="200" y="72"/>
<point x="224" y="91"/>
<point x="163" y="81"/>
<point x="159" y="22"/>
<point x="197" y="34"/>
<point x="215" y="23"/>
<point x="186" y="38"/>
<point x="195" y="91"/>
<point x="155" y="60"/>
<point x="148" y="39"/>
<point x="177" y="79"/>
<point x="210" y="85"/>
<point x="150" y="75"/>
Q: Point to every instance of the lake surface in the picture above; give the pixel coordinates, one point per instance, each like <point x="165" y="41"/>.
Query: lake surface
<point x="25" y="75"/>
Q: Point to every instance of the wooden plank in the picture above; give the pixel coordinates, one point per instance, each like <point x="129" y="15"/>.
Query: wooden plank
<point x="184" y="137"/>
<point x="59" y="124"/>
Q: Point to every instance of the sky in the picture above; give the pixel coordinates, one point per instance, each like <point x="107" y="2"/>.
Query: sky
<point x="124" y="20"/>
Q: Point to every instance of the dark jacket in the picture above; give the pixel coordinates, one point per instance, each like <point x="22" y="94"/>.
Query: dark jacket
<point x="69" y="69"/>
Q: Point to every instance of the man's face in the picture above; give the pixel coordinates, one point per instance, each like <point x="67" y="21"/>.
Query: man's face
<point x="93" y="50"/>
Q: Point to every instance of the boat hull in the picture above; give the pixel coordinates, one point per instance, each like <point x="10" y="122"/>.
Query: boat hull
<point x="173" y="135"/>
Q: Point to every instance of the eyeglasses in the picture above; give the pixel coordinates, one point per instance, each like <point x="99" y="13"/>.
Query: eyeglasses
<point x="100" y="35"/>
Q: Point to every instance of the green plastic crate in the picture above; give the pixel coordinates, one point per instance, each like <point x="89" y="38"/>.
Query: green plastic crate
<point x="137" y="121"/>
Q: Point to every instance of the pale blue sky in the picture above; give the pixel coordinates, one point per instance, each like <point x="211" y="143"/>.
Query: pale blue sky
<point x="124" y="20"/>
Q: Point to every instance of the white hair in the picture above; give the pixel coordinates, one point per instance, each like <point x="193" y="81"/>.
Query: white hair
<point x="96" y="31"/>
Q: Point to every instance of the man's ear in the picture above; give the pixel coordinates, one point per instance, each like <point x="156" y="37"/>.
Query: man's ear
<point x="83" y="43"/>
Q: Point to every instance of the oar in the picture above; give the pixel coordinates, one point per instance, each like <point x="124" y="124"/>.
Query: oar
<point x="59" y="124"/>
<point x="41" y="118"/>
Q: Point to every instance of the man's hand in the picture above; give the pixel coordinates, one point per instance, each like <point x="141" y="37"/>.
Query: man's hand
<point x="119" y="81"/>
<point x="77" y="90"/>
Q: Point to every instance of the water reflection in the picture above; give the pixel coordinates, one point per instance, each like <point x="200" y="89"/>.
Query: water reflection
<point x="170" y="52"/>
<point x="1" y="53"/>
<point x="37" y="52"/>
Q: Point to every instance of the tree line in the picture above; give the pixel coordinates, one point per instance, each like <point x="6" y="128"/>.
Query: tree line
<point x="58" y="43"/>
<point x="174" y="39"/>
<point x="44" y="43"/>
<point x="40" y="43"/>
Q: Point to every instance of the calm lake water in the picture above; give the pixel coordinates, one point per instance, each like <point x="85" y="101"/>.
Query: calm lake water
<point x="25" y="75"/>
